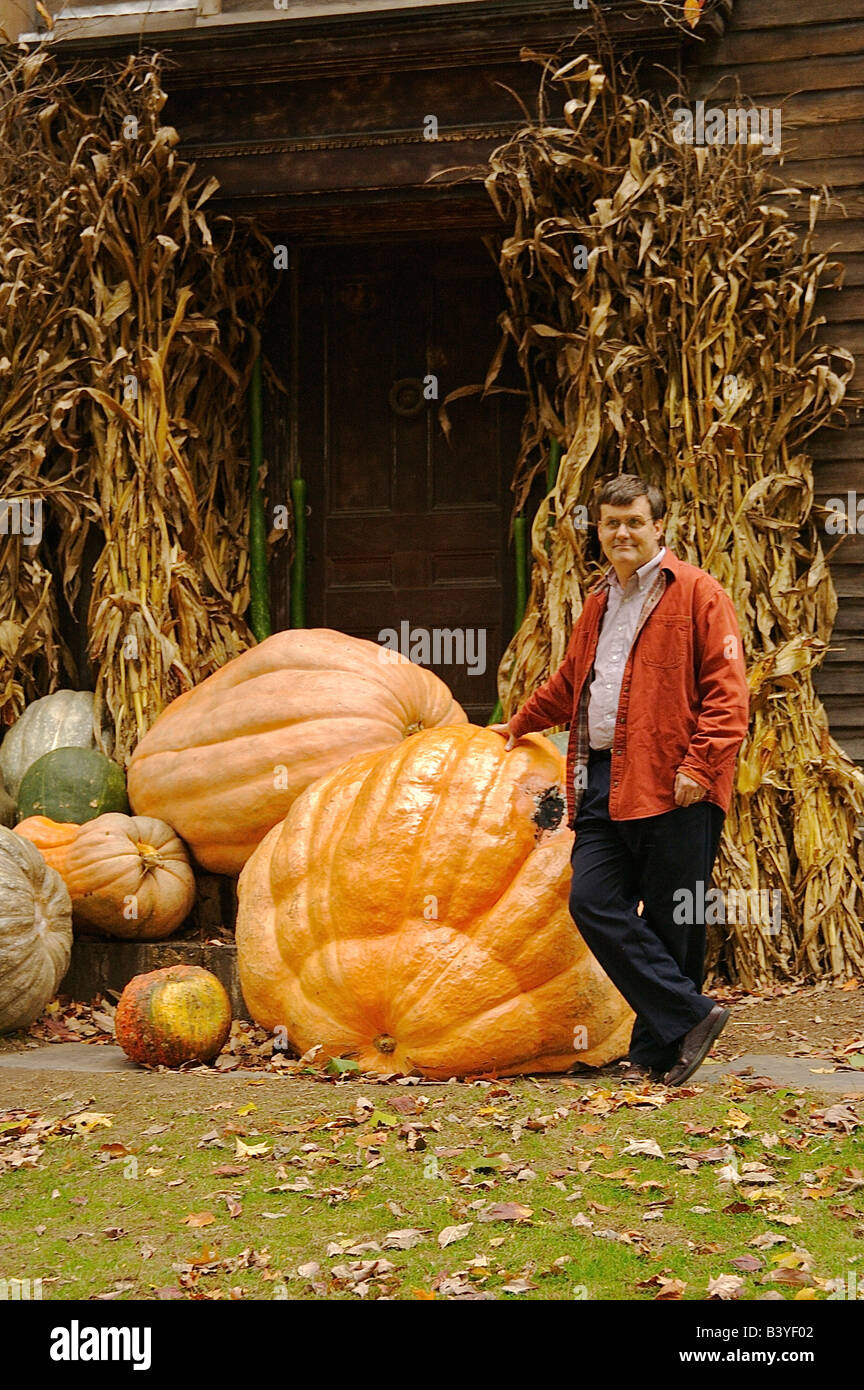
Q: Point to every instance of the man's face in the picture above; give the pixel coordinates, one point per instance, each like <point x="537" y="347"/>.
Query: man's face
<point x="629" y="546"/>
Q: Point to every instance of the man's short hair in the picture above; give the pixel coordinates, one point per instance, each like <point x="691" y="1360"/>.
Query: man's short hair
<point x="624" y="488"/>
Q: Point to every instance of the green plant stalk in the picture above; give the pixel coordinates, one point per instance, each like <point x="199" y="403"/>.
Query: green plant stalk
<point x="552" y="464"/>
<point x="520" y="547"/>
<point x="259" y="577"/>
<point x="298" y="564"/>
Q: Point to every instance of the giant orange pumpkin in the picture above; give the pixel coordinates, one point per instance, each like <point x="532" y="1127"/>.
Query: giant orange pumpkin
<point x="224" y="762"/>
<point x="411" y="911"/>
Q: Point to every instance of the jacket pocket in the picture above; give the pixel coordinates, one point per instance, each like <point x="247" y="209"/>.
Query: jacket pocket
<point x="665" y="642"/>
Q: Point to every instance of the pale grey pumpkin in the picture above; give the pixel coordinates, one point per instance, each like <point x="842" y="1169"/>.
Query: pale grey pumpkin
<point x="35" y="931"/>
<point x="61" y="720"/>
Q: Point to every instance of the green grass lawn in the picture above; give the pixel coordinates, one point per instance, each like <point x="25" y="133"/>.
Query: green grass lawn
<point x="295" y="1188"/>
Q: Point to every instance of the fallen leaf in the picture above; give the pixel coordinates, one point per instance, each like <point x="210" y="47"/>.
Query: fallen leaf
<point x="767" y="1239"/>
<point x="748" y="1263"/>
<point x="250" y="1150"/>
<point x="404" y="1239"/>
<point x="383" y="1119"/>
<point x="198" y="1218"/>
<point x="842" y="1116"/>
<point x="644" y="1146"/>
<point x="506" y="1211"/>
<point x="800" y="1277"/>
<point x="738" y="1118"/>
<point x="450" y="1234"/>
<point x="340" y="1066"/>
<point x="793" y="1259"/>
<point x="87" y="1120"/>
<point x="667" y="1287"/>
<point x="725" y="1286"/>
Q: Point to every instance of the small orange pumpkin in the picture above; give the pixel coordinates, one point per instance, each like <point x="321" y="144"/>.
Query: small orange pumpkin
<point x="52" y="838"/>
<point x="167" y="1017"/>
<point x="129" y="876"/>
<point x="412" y="912"/>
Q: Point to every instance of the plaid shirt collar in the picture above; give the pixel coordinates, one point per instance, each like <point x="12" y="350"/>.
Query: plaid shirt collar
<point x="664" y="560"/>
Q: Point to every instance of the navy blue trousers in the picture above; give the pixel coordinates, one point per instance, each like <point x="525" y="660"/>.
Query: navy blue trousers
<point x="657" y="963"/>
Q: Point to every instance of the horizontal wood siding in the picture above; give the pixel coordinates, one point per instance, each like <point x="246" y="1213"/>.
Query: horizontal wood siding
<point x="807" y="57"/>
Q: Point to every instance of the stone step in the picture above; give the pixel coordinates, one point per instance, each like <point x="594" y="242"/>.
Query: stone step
<point x="206" y="939"/>
<point x="99" y="965"/>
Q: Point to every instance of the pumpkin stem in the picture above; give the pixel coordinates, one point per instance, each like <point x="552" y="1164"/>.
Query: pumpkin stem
<point x="414" y="728"/>
<point x="150" y="856"/>
<point x="384" y="1043"/>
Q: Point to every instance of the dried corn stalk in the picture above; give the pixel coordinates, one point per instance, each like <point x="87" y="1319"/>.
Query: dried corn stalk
<point x="126" y="340"/>
<point x="686" y="351"/>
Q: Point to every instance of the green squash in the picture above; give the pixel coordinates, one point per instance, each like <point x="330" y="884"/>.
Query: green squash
<point x="72" y="784"/>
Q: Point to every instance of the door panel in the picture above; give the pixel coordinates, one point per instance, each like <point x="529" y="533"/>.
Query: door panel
<point x="404" y="528"/>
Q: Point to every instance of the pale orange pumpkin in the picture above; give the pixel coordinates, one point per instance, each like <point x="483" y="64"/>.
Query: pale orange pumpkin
<point x="52" y="838"/>
<point x="411" y="912"/>
<point x="224" y="762"/>
<point x="129" y="876"/>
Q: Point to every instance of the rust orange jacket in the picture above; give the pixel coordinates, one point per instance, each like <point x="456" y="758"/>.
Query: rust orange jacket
<point x="684" y="701"/>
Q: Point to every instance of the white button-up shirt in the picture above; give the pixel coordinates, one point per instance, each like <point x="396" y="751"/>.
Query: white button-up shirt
<point x="620" y="620"/>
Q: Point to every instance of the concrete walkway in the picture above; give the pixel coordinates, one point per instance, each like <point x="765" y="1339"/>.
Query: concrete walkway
<point x="69" y="1057"/>
<point x="812" y="1073"/>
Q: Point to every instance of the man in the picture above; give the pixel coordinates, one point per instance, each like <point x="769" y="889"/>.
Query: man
<point x="654" y="687"/>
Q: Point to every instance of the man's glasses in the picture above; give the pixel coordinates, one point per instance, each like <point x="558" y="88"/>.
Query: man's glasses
<point x="636" y="523"/>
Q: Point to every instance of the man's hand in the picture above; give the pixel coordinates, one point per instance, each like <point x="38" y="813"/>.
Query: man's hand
<point x="504" y="731"/>
<point x="686" y="790"/>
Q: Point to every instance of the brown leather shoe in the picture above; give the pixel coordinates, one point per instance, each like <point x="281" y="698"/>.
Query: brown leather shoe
<point x="633" y="1072"/>
<point x="697" y="1044"/>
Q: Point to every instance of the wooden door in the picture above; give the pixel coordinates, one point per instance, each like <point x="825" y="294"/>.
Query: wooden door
<point x="407" y="532"/>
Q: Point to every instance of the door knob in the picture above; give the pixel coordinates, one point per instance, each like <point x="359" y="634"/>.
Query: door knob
<point x="406" y="396"/>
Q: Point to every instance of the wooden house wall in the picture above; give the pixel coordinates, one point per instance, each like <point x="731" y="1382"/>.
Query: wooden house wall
<point x="807" y="57"/>
<point x="312" y="123"/>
